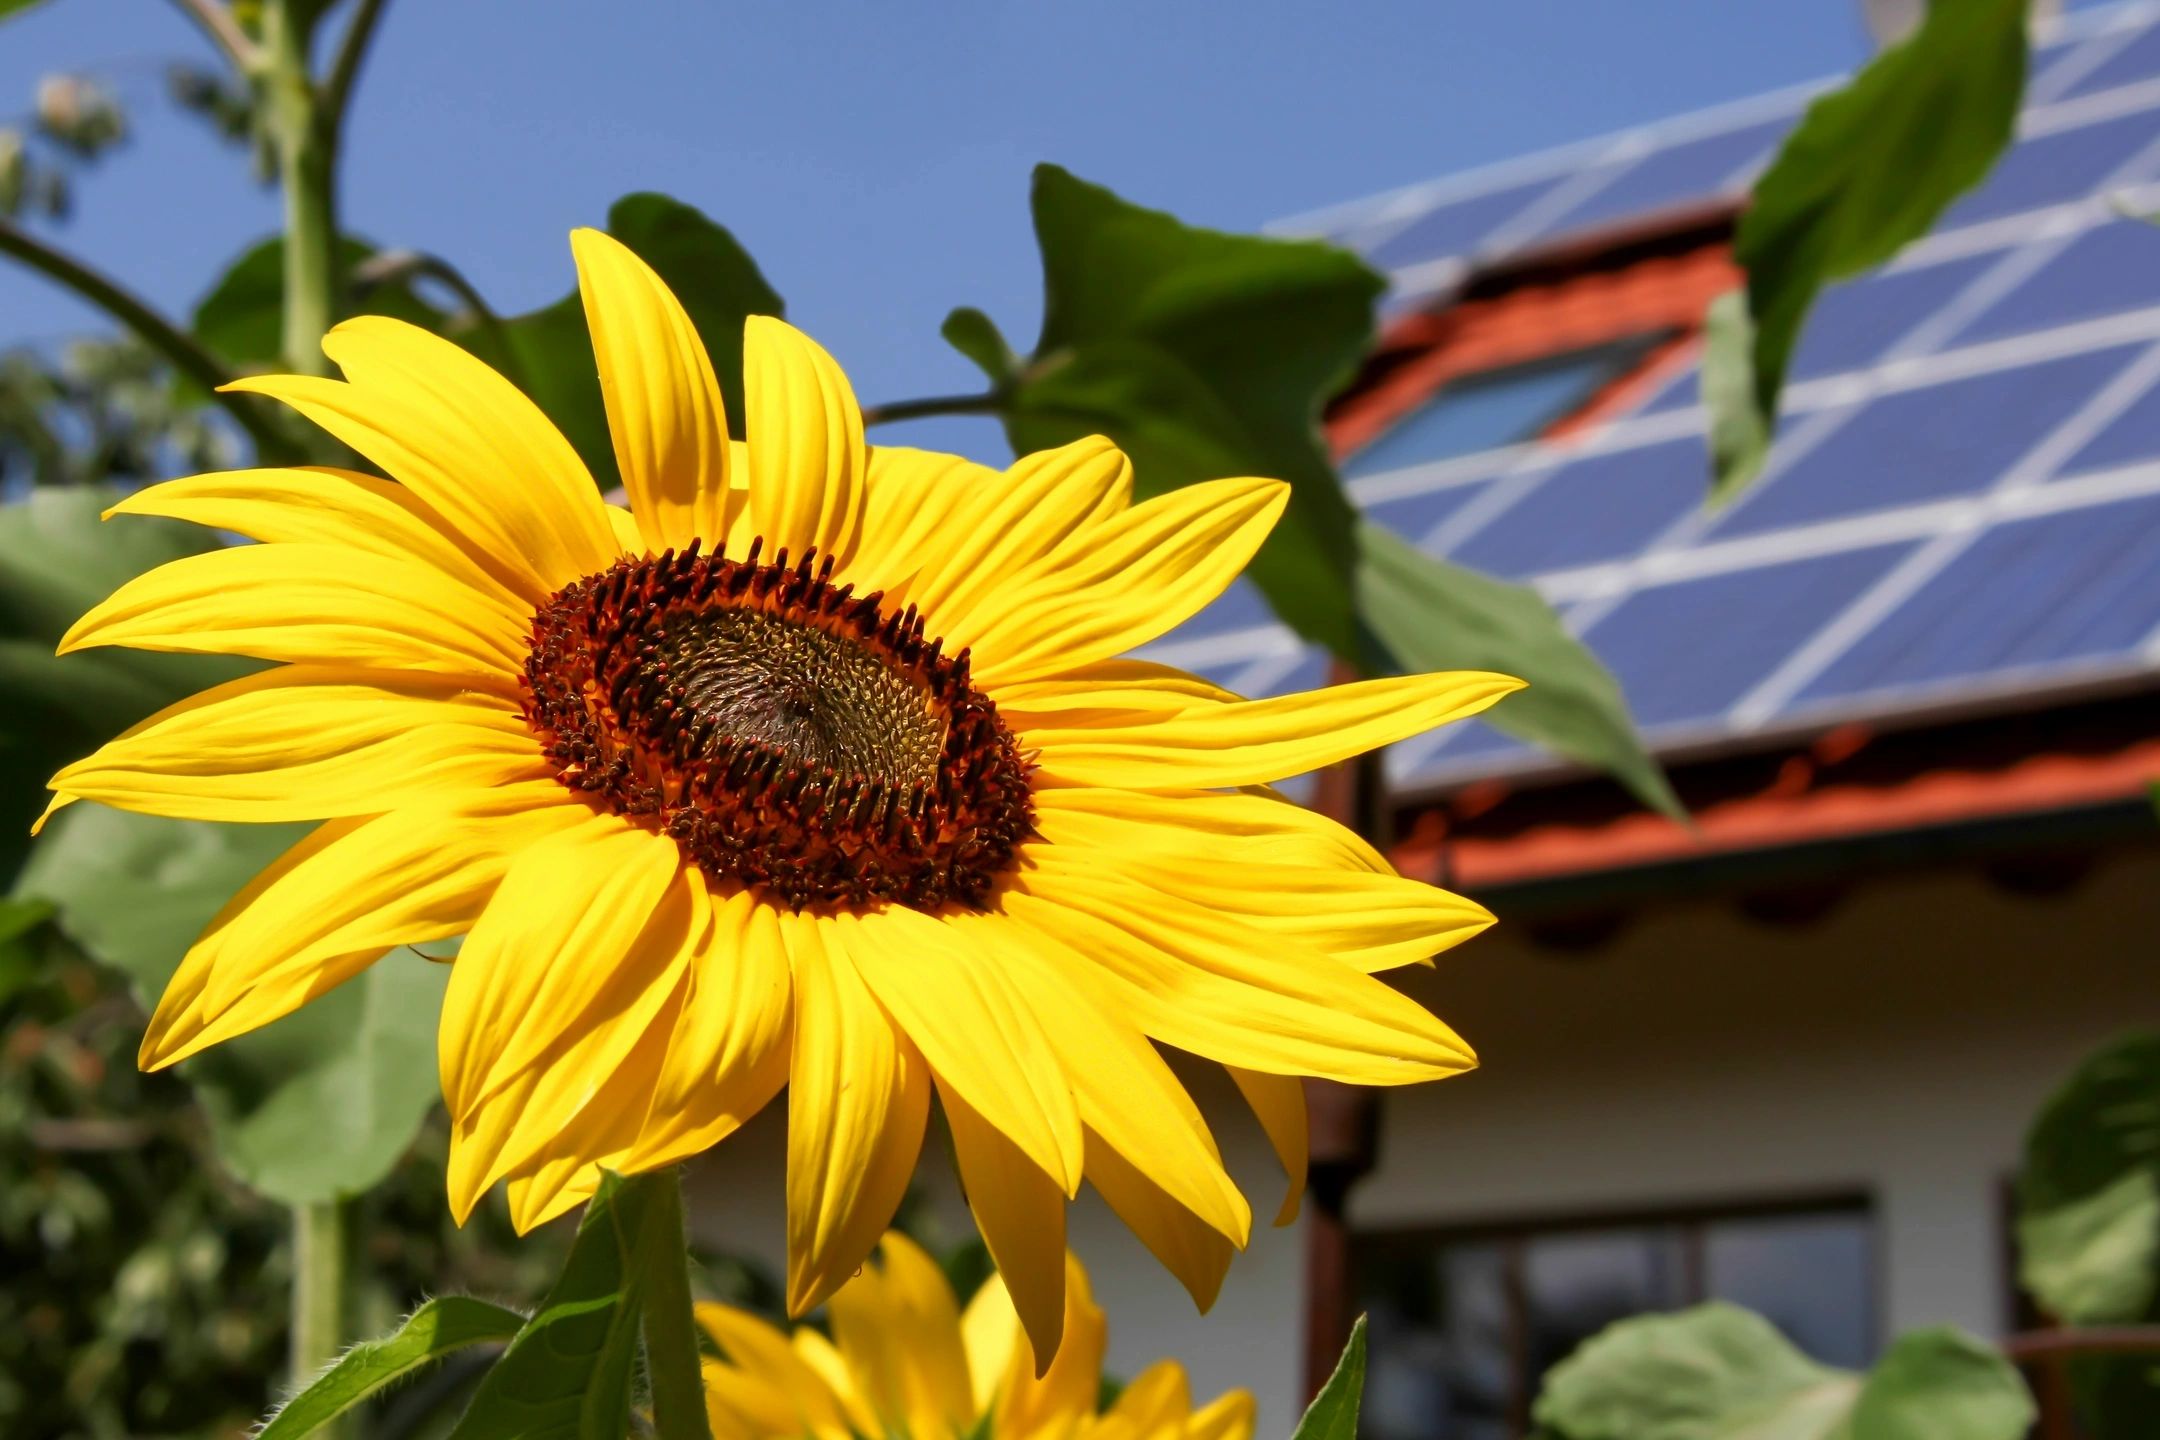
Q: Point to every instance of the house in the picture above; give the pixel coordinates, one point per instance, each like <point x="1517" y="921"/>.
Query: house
<point x="1906" y="685"/>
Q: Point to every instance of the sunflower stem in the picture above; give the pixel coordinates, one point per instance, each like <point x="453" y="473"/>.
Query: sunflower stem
<point x="989" y="402"/>
<point x="304" y="140"/>
<point x="318" y="1296"/>
<point x="671" y="1348"/>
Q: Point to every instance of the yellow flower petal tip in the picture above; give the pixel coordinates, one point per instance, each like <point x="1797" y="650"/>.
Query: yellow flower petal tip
<point x="821" y="768"/>
<point x="908" y="1360"/>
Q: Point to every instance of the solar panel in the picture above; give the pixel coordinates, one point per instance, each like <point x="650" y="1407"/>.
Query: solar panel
<point x="2138" y="60"/>
<point x="1455" y="227"/>
<point x="1692" y="170"/>
<point x="2111" y="268"/>
<point x="1415" y="516"/>
<point x="1924" y="444"/>
<point x="1852" y="325"/>
<point x="2067" y="165"/>
<point x="1241" y="607"/>
<point x="1490" y="411"/>
<point x="1600" y="507"/>
<point x="2047" y="591"/>
<point x="2130" y="437"/>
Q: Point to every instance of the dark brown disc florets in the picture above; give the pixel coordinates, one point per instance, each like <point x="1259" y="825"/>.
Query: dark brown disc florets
<point x="787" y="733"/>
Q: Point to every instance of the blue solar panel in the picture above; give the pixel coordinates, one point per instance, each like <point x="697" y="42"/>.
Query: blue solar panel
<point x="1954" y="438"/>
<point x="1852" y="325"/>
<point x="2138" y="60"/>
<point x="1454" y="228"/>
<point x="1238" y="608"/>
<point x="1489" y="412"/>
<point x="1601" y="507"/>
<point x="2109" y="270"/>
<point x="1698" y="169"/>
<point x="2081" y="585"/>
<point x="1683" y="390"/>
<point x="2129" y="439"/>
<point x="1470" y="740"/>
<point x="1688" y="652"/>
<point x="1415" y="516"/>
<point x="2067" y="165"/>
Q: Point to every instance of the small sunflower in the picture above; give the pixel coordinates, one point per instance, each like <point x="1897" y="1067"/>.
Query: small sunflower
<point x="815" y="768"/>
<point x="904" y="1362"/>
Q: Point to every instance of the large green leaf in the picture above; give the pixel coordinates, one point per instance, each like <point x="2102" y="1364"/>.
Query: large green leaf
<point x="2089" y="1223"/>
<point x="568" y="1372"/>
<point x="1437" y="616"/>
<point x="1334" y="1411"/>
<point x="1709" y="1373"/>
<point x="1206" y="355"/>
<point x="242" y="319"/>
<point x="313" y="1107"/>
<point x="438" y="1328"/>
<point x="1718" y="1372"/>
<point x="1870" y="167"/>
<point x="719" y="285"/>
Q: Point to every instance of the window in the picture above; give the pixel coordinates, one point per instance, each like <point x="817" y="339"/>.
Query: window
<point x="1464" y="1323"/>
<point x="1501" y="407"/>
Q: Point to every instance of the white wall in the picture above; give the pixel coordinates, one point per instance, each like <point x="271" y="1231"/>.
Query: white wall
<point x="1896" y="1046"/>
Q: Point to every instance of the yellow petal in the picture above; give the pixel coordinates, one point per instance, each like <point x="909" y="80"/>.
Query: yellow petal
<point x="1106" y="688"/>
<point x="1260" y="828"/>
<point x="1367" y="920"/>
<point x="664" y="408"/>
<point x="320" y="506"/>
<point x="1255" y="741"/>
<point x="898" y="1329"/>
<point x="1230" y="1416"/>
<point x="858" y="1099"/>
<point x="807" y="459"/>
<point x="1207" y="984"/>
<point x="1158" y="1400"/>
<point x="1023" y="1405"/>
<point x="467" y="441"/>
<point x="326" y="908"/>
<point x="980" y="1037"/>
<point x="729" y="1053"/>
<point x="308" y="742"/>
<point x="909" y="498"/>
<point x="1278" y="1101"/>
<point x="560" y="937"/>
<point x="324" y="604"/>
<point x="778" y="1390"/>
<point x="1140" y="575"/>
<point x="1021" y="1213"/>
<point x="1195" y="1252"/>
<point x="627" y="534"/>
<point x="1125" y="1093"/>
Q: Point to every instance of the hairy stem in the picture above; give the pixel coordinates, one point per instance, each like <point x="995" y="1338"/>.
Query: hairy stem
<point x="318" y="1305"/>
<point x="307" y="167"/>
<point x="178" y="348"/>
<point x="671" y="1349"/>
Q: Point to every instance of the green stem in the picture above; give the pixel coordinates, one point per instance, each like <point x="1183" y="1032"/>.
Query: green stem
<point x="179" y="349"/>
<point x="301" y="134"/>
<point x="987" y="403"/>
<point x="671" y="1349"/>
<point x="318" y="1306"/>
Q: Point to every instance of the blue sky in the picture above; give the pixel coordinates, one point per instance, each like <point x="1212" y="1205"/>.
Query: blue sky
<point x="875" y="157"/>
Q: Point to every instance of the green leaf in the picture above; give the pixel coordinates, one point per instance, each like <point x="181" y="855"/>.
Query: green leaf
<point x="313" y="1107"/>
<point x="1203" y="355"/>
<point x="2088" y="1218"/>
<point x="717" y="282"/>
<point x="1437" y="616"/>
<point x="11" y="8"/>
<point x="1870" y="167"/>
<point x="1333" y="1413"/>
<point x="441" y="1326"/>
<point x="241" y="320"/>
<point x="1942" y="1384"/>
<point x="568" y="1371"/>
<point x="977" y="336"/>
<point x="1715" y="1372"/>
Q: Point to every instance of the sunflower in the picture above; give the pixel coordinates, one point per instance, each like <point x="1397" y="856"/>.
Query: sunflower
<point x="905" y="1363"/>
<point x="816" y="767"/>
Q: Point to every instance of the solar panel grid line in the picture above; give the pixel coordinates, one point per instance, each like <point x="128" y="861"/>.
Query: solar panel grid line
<point x="2038" y="122"/>
<point x="1599" y="175"/>
<point x="2081" y="60"/>
<point x="1264" y="676"/>
<point x="1430" y="476"/>
<point x="1987" y="236"/>
<point x="1230" y="647"/>
<point x="1869" y="610"/>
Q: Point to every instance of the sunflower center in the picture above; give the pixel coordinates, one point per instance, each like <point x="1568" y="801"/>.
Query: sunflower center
<point x="787" y="733"/>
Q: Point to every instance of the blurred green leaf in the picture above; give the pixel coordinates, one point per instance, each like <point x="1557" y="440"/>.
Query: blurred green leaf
<point x="717" y="282"/>
<point x="1437" y="616"/>
<point x="1333" y="1413"/>
<point x="568" y="1371"/>
<point x="1202" y="355"/>
<point x="12" y="8"/>
<point x="315" y="1106"/>
<point x="1942" y="1384"/>
<point x="1870" y="168"/>
<point x="443" y="1325"/>
<point x="2096" y="1260"/>
<point x="1718" y="1372"/>
<point x="977" y="336"/>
